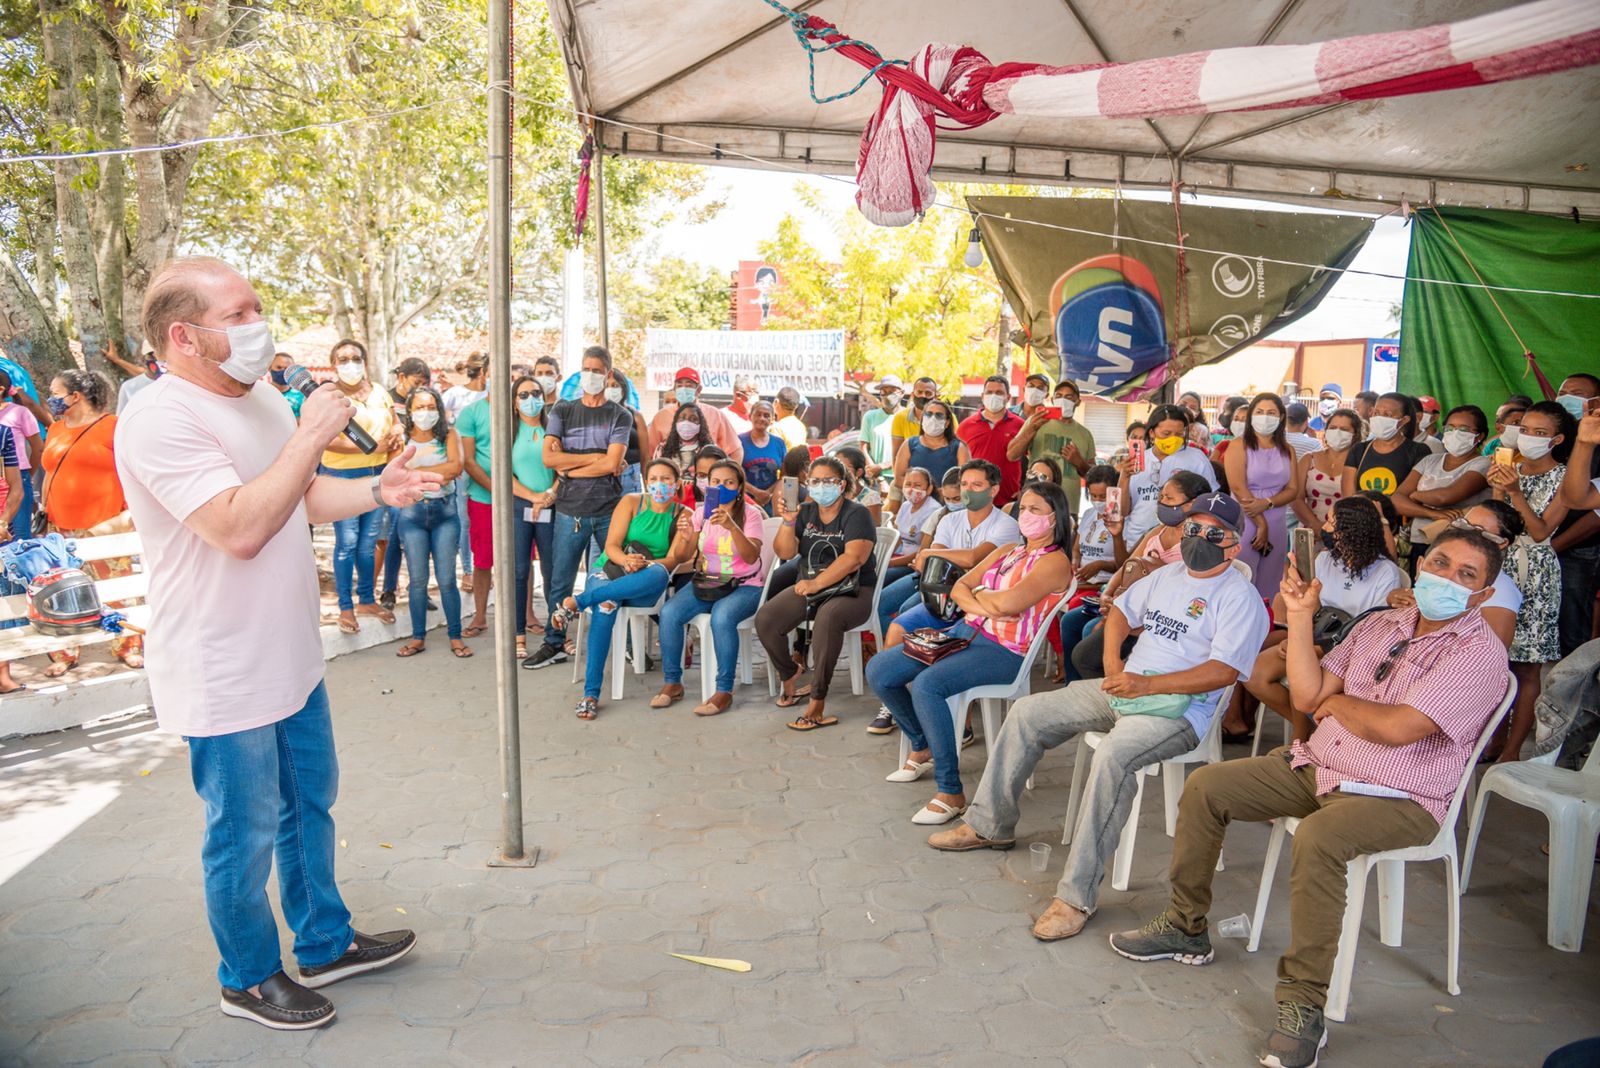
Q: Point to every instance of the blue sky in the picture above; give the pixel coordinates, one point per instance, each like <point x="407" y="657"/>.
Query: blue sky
<point x="1357" y="306"/>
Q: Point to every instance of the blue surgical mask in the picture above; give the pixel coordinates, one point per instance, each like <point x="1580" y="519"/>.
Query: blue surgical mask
<point x="685" y="394"/>
<point x="1439" y="598"/>
<point x="531" y="406"/>
<point x="1572" y="403"/>
<point x="57" y="406"/>
<point x="662" y="492"/>
<point x="825" y="493"/>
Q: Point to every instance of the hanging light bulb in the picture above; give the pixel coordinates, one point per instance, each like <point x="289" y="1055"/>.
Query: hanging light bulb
<point x="974" y="256"/>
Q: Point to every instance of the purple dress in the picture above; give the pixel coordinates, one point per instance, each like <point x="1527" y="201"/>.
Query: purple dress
<point x="1267" y="473"/>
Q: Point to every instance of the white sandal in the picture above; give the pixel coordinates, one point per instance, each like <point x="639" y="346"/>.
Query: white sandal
<point x="911" y="772"/>
<point x="936" y="812"/>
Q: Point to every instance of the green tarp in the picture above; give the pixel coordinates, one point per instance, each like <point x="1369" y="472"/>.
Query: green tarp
<point x="1107" y="307"/>
<point x="1455" y="346"/>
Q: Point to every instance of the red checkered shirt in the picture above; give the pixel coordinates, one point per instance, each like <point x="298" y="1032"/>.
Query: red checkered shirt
<point x="1456" y="676"/>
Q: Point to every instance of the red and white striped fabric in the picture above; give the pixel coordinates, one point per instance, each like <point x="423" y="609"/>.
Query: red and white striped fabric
<point x="960" y="85"/>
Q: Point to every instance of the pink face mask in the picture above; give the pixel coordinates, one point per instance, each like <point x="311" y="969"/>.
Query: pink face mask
<point x="1035" y="525"/>
<point x="915" y="497"/>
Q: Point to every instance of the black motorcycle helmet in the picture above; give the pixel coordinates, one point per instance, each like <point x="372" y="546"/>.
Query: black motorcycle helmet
<point x="63" y="602"/>
<point x="939" y="577"/>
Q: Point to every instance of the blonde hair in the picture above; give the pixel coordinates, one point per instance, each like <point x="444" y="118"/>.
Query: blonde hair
<point x="173" y="296"/>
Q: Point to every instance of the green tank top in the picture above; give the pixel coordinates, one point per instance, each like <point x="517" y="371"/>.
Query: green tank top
<point x="652" y="529"/>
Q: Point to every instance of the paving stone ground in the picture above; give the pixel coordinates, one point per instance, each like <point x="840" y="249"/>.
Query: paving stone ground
<point x="727" y="837"/>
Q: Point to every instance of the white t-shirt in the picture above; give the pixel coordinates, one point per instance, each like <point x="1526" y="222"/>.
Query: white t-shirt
<point x="1188" y="621"/>
<point x="1506" y="594"/>
<point x="957" y="532"/>
<point x="1355" y="593"/>
<point x="910" y="521"/>
<point x="1431" y="475"/>
<point x="739" y="423"/>
<point x="234" y="644"/>
<point x="1302" y="443"/>
<point x="1144" y="487"/>
<point x="131" y="388"/>
<point x="458" y="397"/>
<point x="1094" y="542"/>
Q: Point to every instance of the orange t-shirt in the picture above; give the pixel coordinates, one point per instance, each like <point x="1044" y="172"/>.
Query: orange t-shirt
<point x="86" y="491"/>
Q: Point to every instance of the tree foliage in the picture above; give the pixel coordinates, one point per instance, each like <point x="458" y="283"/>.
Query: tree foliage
<point x="668" y="291"/>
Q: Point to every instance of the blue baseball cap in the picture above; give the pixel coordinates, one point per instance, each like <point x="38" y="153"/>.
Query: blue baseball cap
<point x="1221" y="507"/>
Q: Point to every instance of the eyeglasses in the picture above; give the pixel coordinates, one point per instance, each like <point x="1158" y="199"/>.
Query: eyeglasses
<point x="1462" y="524"/>
<point x="1389" y="661"/>
<point x="1215" y="535"/>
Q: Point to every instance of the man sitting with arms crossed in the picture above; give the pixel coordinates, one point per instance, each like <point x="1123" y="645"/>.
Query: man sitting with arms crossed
<point x="1200" y="625"/>
<point x="1399" y="705"/>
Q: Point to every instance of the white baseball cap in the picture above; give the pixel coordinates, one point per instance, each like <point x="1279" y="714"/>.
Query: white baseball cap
<point x="890" y="382"/>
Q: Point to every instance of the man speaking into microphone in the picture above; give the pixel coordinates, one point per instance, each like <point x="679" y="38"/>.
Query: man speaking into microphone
<point x="222" y="484"/>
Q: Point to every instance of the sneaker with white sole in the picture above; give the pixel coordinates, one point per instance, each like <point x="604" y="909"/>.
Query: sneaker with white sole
<point x="1160" y="940"/>
<point x="968" y="738"/>
<point x="882" y="723"/>
<point x="544" y="656"/>
<point x="1298" y="1039"/>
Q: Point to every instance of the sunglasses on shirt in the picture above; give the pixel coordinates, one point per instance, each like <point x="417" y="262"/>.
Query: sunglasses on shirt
<point x="1393" y="657"/>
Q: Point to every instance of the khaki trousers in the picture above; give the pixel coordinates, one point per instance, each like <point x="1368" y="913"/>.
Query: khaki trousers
<point x="1334" y="828"/>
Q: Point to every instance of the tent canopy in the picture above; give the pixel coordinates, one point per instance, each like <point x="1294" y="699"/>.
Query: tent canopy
<point x="725" y="81"/>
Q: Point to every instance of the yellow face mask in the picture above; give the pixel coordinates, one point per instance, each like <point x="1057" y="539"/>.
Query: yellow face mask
<point x="1168" y="446"/>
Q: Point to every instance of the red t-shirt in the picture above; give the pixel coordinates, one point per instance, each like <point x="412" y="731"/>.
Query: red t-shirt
<point x="988" y="441"/>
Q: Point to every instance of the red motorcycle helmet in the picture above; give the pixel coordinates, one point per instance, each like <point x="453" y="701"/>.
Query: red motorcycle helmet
<point x="63" y="602"/>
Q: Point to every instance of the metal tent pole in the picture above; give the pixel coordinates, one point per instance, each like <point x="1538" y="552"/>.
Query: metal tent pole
<point x="600" y="240"/>
<point x="512" y="852"/>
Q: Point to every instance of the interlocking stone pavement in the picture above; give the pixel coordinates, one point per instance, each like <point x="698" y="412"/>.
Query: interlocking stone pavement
<point x="727" y="837"/>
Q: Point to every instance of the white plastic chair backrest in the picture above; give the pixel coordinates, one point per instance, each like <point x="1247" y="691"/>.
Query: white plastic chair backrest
<point x="880" y="554"/>
<point x="1591" y="766"/>
<point x="769" y="540"/>
<point x="1405" y="580"/>
<point x="1477" y="751"/>
<point x="1244" y="569"/>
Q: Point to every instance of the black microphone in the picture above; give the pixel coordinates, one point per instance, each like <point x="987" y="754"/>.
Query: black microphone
<point x="300" y="379"/>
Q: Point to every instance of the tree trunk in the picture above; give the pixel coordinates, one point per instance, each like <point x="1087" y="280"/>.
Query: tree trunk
<point x="108" y="212"/>
<point x="27" y="334"/>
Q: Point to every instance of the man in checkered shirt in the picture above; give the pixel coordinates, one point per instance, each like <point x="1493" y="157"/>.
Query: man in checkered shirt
<point x="1399" y="706"/>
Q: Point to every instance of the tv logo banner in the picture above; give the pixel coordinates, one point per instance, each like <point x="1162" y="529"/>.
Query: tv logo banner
<point x="1107" y="307"/>
<point x="810" y="360"/>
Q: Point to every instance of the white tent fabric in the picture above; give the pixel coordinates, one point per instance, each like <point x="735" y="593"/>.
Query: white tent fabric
<point x="725" y="81"/>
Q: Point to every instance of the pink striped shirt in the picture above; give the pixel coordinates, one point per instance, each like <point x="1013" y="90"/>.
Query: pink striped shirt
<point x="1455" y="676"/>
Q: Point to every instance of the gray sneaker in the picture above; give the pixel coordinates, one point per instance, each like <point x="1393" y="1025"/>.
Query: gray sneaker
<point x="1298" y="1039"/>
<point x="1159" y="940"/>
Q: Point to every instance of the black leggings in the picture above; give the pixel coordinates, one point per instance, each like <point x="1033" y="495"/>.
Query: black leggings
<point x="785" y="611"/>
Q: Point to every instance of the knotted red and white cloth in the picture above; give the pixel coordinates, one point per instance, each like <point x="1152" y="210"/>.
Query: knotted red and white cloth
<point x="959" y="85"/>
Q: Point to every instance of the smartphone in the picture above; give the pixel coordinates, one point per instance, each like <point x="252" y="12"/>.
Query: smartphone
<point x="1136" y="454"/>
<point x="1505" y="456"/>
<point x="1301" y="550"/>
<point x="716" y="497"/>
<point x="1113" y="509"/>
<point x="791" y="493"/>
<point x="1053" y="413"/>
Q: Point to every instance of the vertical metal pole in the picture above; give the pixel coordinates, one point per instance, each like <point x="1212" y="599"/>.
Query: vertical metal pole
<point x="512" y="852"/>
<point x="600" y="238"/>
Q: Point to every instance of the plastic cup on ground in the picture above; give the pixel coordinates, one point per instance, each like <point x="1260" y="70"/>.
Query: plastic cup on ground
<point x="1234" y="927"/>
<point x="1039" y="856"/>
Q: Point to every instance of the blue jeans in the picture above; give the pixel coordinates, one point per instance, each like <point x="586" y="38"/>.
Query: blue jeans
<point x="632" y="481"/>
<point x="530" y="536"/>
<point x="726" y="615"/>
<point x="269" y="791"/>
<point x="463" y="542"/>
<point x="355" y="541"/>
<point x="387" y="532"/>
<point x="22" y="522"/>
<point x="636" y="589"/>
<point x="894" y="596"/>
<point x="429" y="529"/>
<point x="1074" y="626"/>
<point x="916" y="694"/>
<point x="569" y="538"/>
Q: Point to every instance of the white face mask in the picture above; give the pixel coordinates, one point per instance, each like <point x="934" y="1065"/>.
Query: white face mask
<point x="1327" y="406"/>
<point x="1068" y="406"/>
<point x="425" y="418"/>
<point x="1238" y="426"/>
<point x="1459" y="442"/>
<point x="591" y="382"/>
<point x="614" y="394"/>
<point x="1510" y="435"/>
<point x="351" y="373"/>
<point x="1533" y="448"/>
<point x="1034" y="397"/>
<point x="1338" y="439"/>
<point x="1384" y="427"/>
<point x="1265" y="425"/>
<point x="546" y="382"/>
<point x="993" y="402"/>
<point x="250" y="351"/>
<point x="933" y="425"/>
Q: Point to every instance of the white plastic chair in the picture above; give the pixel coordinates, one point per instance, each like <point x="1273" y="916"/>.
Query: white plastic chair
<point x="1391" y="883"/>
<point x="993" y="698"/>
<point x="702" y="622"/>
<point x="1570" y="800"/>
<point x="887" y="536"/>
<point x="634" y="621"/>
<point x="1208" y="751"/>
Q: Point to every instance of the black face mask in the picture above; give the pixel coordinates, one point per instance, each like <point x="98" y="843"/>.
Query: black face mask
<point x="1169" y="514"/>
<point x="1201" y="555"/>
<point x="1327" y="538"/>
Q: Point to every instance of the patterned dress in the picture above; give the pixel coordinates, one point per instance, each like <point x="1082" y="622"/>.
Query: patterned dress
<point x="1321" y="491"/>
<point x="1533" y="565"/>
